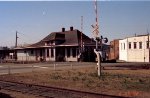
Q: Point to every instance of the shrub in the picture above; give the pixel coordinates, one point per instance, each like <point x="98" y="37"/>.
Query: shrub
<point x="75" y="78"/>
<point x="55" y="76"/>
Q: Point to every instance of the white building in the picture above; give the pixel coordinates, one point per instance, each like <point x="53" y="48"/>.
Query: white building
<point x="134" y="49"/>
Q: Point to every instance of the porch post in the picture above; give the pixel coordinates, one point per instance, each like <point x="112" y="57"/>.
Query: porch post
<point x="45" y="53"/>
<point x="66" y="54"/>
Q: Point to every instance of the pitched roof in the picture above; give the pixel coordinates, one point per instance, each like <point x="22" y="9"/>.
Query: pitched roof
<point x="50" y="37"/>
<point x="68" y="38"/>
<point x="54" y="36"/>
<point x="37" y="45"/>
<point x="71" y="37"/>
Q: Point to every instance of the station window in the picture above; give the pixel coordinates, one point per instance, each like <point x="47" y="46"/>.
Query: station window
<point x="31" y="51"/>
<point x="74" y="52"/>
<point x="47" y="52"/>
<point x="68" y="52"/>
<point x="52" y="52"/>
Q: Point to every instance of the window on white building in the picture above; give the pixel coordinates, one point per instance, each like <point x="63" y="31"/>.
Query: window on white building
<point x="129" y="45"/>
<point x="134" y="45"/>
<point x="140" y="45"/>
<point x="124" y="46"/>
<point x="147" y="44"/>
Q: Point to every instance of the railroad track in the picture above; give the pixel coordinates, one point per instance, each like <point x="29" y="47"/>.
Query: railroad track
<point x="50" y="92"/>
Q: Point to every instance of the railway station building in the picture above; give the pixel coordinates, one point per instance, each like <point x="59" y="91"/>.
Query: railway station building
<point x="71" y="45"/>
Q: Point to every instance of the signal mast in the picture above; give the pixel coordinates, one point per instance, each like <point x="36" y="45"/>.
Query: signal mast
<point x="97" y="39"/>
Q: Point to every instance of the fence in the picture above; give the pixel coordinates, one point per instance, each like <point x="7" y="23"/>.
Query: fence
<point x="54" y="66"/>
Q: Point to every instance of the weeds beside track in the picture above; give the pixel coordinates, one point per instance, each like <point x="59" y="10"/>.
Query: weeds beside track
<point x="50" y="92"/>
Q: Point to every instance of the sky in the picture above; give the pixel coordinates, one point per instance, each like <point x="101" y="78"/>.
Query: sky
<point x="34" y="20"/>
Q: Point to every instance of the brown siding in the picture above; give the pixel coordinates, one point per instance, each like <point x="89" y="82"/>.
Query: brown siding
<point x="114" y="50"/>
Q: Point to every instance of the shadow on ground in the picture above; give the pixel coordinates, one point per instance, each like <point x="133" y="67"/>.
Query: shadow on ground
<point x="2" y="95"/>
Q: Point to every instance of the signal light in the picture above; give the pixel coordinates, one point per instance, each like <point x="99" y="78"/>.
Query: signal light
<point x="105" y="40"/>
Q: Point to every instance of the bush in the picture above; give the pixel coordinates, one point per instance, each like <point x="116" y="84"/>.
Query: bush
<point x="55" y="76"/>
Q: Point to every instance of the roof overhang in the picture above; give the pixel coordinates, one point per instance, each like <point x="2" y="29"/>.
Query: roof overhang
<point x="67" y="45"/>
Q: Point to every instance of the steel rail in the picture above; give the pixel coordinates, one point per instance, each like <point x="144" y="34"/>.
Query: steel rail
<point x="50" y="92"/>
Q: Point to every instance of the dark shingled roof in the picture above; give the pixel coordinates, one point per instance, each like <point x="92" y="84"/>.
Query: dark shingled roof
<point x="50" y="37"/>
<point x="37" y="45"/>
<point x="54" y="36"/>
<point x="72" y="38"/>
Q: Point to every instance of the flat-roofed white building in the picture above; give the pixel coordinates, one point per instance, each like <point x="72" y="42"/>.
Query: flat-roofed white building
<point x="135" y="49"/>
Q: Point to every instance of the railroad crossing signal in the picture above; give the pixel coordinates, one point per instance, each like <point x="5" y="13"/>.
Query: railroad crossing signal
<point x="95" y="30"/>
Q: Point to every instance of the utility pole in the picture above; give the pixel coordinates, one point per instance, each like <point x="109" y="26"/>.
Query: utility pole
<point x="16" y="40"/>
<point x="81" y="34"/>
<point x="148" y="44"/>
<point x="16" y="44"/>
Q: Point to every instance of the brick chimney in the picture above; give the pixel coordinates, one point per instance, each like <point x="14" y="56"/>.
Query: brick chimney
<point x="71" y="28"/>
<point x="63" y="29"/>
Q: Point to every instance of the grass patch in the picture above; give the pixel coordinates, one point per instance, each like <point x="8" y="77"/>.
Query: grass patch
<point x="55" y="76"/>
<point x="112" y="81"/>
